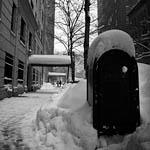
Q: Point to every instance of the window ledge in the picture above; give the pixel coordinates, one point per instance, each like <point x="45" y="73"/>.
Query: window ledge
<point x="13" y="33"/>
<point x="145" y="34"/>
<point x="22" y="43"/>
<point x="20" y="80"/>
<point x="6" y="78"/>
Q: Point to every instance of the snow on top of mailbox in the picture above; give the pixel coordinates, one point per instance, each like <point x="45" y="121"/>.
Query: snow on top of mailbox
<point x="112" y="39"/>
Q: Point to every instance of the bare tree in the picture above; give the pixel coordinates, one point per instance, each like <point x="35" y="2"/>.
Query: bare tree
<point x="70" y="24"/>
<point x="87" y="32"/>
<point x="72" y="29"/>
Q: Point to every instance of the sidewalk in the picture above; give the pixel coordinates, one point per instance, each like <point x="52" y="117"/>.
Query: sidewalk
<point x="17" y="113"/>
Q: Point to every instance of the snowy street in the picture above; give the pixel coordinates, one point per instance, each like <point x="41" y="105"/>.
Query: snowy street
<point x="15" y="110"/>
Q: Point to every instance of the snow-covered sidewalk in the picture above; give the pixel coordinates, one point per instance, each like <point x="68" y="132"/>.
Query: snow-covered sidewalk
<point x="18" y="112"/>
<point x="63" y="125"/>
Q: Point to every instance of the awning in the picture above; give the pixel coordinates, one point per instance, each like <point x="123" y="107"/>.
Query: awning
<point x="57" y="74"/>
<point x="49" y="60"/>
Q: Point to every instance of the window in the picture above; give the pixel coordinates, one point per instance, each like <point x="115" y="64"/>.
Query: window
<point x="30" y="40"/>
<point x="13" y="18"/>
<point x="33" y="77"/>
<point x="22" y="30"/>
<point x="144" y="30"/>
<point x="20" y="71"/>
<point x="37" y="76"/>
<point x="8" y="69"/>
<point x="116" y="22"/>
<point x="32" y="6"/>
<point x="42" y="16"/>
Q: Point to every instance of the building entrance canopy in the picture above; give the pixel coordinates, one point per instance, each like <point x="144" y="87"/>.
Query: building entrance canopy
<point x="56" y="74"/>
<point x="49" y="60"/>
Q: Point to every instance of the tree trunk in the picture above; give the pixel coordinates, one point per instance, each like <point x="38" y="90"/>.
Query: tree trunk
<point x="87" y="30"/>
<point x="71" y="53"/>
<point x="72" y="64"/>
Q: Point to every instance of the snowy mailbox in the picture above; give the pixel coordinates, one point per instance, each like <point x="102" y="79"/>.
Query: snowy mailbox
<point x="113" y="88"/>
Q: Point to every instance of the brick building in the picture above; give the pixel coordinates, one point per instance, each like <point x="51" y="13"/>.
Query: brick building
<point x="139" y="18"/>
<point x="48" y="36"/>
<point x="112" y="14"/>
<point x="21" y="34"/>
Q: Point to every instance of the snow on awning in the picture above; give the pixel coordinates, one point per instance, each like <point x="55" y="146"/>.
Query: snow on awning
<point x="49" y="60"/>
<point x="56" y="74"/>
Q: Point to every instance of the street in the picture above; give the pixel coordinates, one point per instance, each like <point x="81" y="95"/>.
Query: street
<point x="15" y="111"/>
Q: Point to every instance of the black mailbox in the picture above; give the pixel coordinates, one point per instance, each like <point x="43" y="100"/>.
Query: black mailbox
<point x="113" y="88"/>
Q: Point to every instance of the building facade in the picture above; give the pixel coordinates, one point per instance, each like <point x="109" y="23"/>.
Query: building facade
<point x="35" y="74"/>
<point x="21" y="35"/>
<point x="139" y="18"/>
<point x="48" y="33"/>
<point x="131" y="16"/>
<point x="112" y="14"/>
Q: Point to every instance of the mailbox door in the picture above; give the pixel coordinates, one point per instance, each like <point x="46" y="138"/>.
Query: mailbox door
<point x="116" y="98"/>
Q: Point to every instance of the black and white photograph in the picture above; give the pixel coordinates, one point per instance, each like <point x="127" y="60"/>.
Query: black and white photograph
<point x="74" y="74"/>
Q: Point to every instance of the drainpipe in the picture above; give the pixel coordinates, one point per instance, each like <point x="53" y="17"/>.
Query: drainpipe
<point x="14" y="76"/>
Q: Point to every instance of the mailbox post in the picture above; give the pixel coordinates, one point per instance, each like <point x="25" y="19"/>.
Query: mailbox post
<point x="113" y="89"/>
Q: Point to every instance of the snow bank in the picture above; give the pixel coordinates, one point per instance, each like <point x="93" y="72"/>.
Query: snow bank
<point x="47" y="86"/>
<point x="62" y="130"/>
<point x="75" y="97"/>
<point x="140" y="140"/>
<point x="62" y="126"/>
<point x="67" y="125"/>
<point x="144" y="87"/>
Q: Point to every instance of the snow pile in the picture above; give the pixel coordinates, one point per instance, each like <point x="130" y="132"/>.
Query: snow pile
<point x="67" y="125"/>
<point x="144" y="85"/>
<point x="62" y="130"/>
<point x="75" y="97"/>
<point x="140" y="140"/>
<point x="47" y="86"/>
